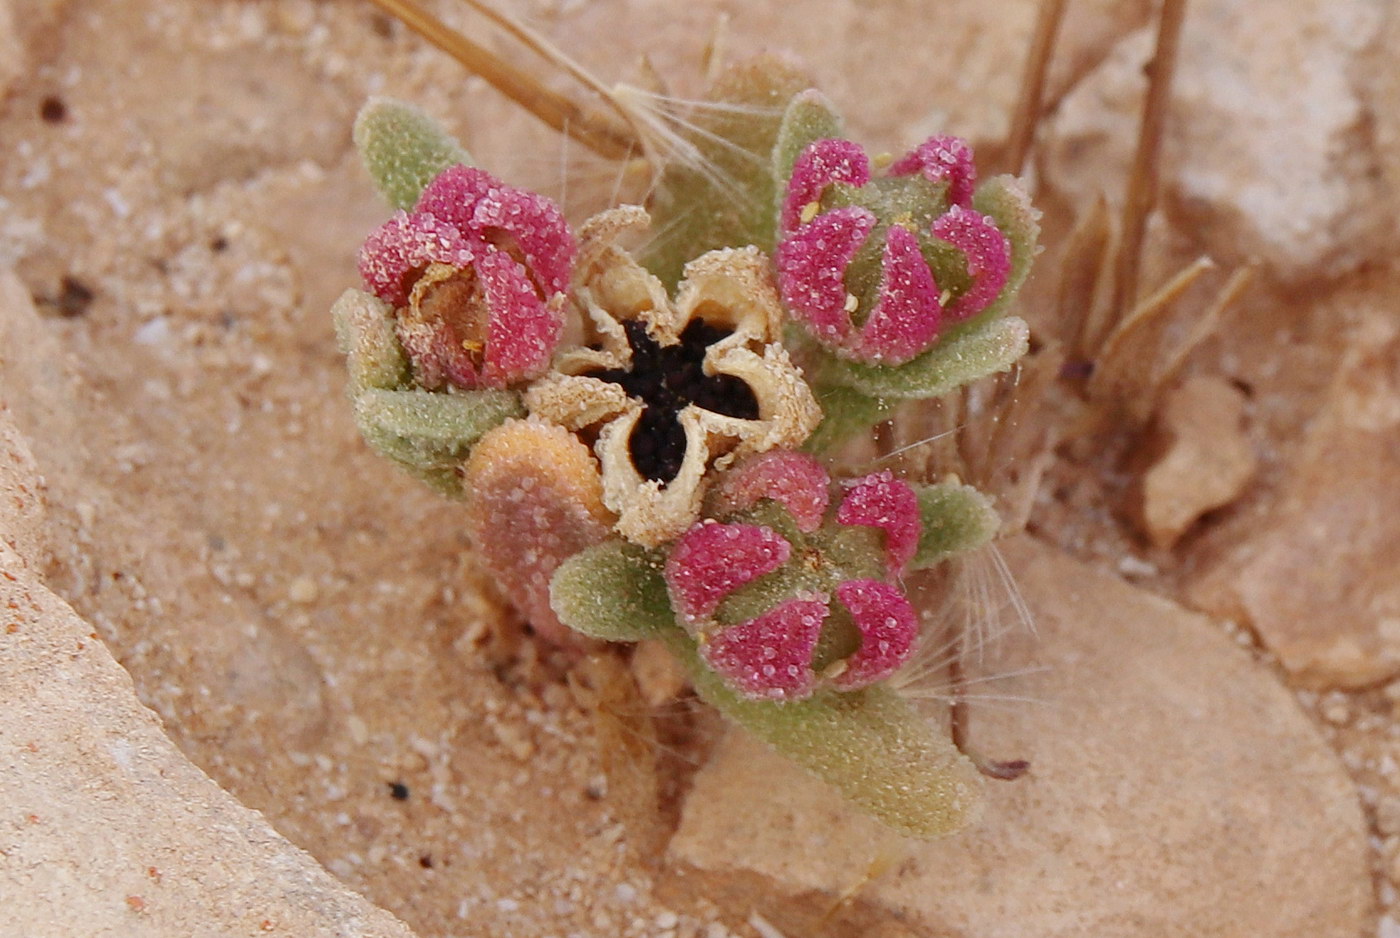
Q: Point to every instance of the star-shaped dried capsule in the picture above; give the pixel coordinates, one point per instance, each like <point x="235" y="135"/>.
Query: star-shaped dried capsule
<point x="666" y="390"/>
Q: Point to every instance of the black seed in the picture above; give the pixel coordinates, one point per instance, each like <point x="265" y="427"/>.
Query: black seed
<point x="426" y="861"/>
<point x="667" y="379"/>
<point x="219" y="244"/>
<point x="398" y="791"/>
<point x="728" y="395"/>
<point x="53" y="110"/>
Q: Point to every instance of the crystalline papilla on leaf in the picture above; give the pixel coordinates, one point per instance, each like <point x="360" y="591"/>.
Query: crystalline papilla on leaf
<point x="613" y="591"/>
<point x="364" y="328"/>
<point x="403" y="149"/>
<point x="1005" y="201"/>
<point x="430" y="434"/>
<point x="986" y="347"/>
<point x="882" y="501"/>
<point x="908" y="314"/>
<point x="795" y="480"/>
<point x="809" y="117"/>
<point x="771" y="656"/>
<point x="871" y="745"/>
<point x="956" y="518"/>
<point x="712" y="560"/>
<point x="988" y="254"/>
<point x="942" y="159"/>
<point x="888" y="628"/>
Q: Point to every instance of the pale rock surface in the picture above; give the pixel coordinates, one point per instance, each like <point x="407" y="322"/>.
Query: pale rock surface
<point x="36" y="387"/>
<point x="1267" y="154"/>
<point x="22" y="521"/>
<point x="1382" y="87"/>
<point x="1203" y="458"/>
<point x="106" y="829"/>
<point x="1318" y="580"/>
<point x="109" y="830"/>
<point x="1176" y="790"/>
<point x="11" y="49"/>
<point x="20" y="20"/>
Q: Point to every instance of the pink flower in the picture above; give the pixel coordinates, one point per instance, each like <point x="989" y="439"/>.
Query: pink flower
<point x="786" y="596"/>
<point x="476" y="274"/>
<point x="902" y="312"/>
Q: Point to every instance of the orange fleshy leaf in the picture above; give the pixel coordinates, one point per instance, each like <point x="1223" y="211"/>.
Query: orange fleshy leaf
<point x="536" y="499"/>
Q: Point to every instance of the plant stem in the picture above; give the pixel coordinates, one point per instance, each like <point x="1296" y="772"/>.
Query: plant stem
<point x="1029" y="102"/>
<point x="1142" y="186"/>
<point x="593" y="130"/>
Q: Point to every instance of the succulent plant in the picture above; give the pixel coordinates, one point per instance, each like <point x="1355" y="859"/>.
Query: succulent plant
<point x="646" y="442"/>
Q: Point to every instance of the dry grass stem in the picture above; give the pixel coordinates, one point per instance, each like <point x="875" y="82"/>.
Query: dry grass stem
<point x="599" y="133"/>
<point x="1126" y="367"/>
<point x="1083" y="301"/>
<point x="1142" y="185"/>
<point x="1203" y="327"/>
<point x="1030" y="100"/>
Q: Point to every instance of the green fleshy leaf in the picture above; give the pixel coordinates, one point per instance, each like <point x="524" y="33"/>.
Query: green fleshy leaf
<point x="613" y="591"/>
<point x="1009" y="206"/>
<point x="981" y="348"/>
<point x="364" y="327"/>
<point x="723" y="194"/>
<point x="956" y="518"/>
<point x="845" y="413"/>
<point x="809" y="117"/>
<point x="431" y="433"/>
<point x="403" y="149"/>
<point x="871" y="745"/>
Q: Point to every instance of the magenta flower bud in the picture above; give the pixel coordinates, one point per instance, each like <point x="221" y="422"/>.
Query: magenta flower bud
<point x="771" y="656"/>
<point x="888" y="626"/>
<point x="886" y="306"/>
<point x="795" y="480"/>
<point x="941" y="158"/>
<point x="760" y="600"/>
<point x="883" y="501"/>
<point x="988" y="256"/>
<point x="812" y="265"/>
<point x="821" y="164"/>
<point x="712" y="560"/>
<point x="476" y="274"/>
<point x="907" y="316"/>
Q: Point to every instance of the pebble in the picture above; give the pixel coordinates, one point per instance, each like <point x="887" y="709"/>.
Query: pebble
<point x="1204" y="460"/>
<point x="303" y="590"/>
<point x="1315" y="574"/>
